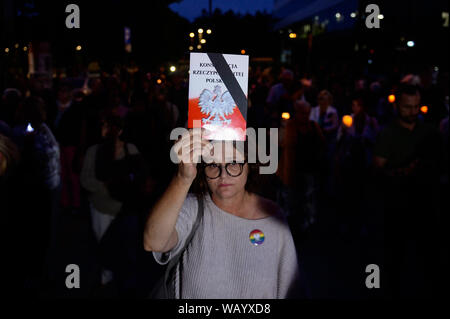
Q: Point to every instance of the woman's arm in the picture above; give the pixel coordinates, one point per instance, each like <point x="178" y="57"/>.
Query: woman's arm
<point x="160" y="234"/>
<point x="288" y="272"/>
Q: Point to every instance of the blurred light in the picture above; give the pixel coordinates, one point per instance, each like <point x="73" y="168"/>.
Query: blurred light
<point x="16" y="45"/>
<point x="200" y="30"/>
<point x="338" y="15"/>
<point x="347" y="120"/>
<point x="285" y="115"/>
<point x="424" y="109"/>
<point x="191" y="48"/>
<point x="199" y="46"/>
<point x="159" y="81"/>
<point x="436" y="69"/>
<point x="25" y="48"/>
<point x="292" y="35"/>
<point x="202" y="41"/>
<point x="242" y="51"/>
<point x="371" y="51"/>
<point x="391" y="98"/>
<point x="30" y="129"/>
<point x="78" y="48"/>
<point x="370" y="61"/>
<point x="208" y="31"/>
<point x="410" y="44"/>
<point x="172" y="68"/>
<point x="353" y="15"/>
<point x="192" y="34"/>
<point x="380" y="16"/>
<point x="6" y="50"/>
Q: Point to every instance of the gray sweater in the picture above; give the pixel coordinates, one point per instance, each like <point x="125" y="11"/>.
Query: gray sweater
<point x="222" y="263"/>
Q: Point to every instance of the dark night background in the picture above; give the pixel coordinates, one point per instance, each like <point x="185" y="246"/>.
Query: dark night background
<point x="324" y="43"/>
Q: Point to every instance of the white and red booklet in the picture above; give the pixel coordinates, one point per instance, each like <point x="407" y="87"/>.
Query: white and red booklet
<point x="218" y="86"/>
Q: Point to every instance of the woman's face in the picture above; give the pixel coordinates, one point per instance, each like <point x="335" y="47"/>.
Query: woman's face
<point x="226" y="186"/>
<point x="356" y="107"/>
<point x="323" y="100"/>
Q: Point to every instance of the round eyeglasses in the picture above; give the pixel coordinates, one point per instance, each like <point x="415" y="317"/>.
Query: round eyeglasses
<point x="214" y="170"/>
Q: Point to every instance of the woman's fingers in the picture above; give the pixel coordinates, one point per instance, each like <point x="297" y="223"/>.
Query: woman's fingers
<point x="191" y="153"/>
<point x="191" y="146"/>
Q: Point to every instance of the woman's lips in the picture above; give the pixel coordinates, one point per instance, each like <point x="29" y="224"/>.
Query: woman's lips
<point x="224" y="185"/>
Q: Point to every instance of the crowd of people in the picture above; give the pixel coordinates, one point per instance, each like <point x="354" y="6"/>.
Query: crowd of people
<point x="100" y="145"/>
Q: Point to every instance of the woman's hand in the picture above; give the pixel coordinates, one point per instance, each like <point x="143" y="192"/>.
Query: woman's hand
<point x="189" y="148"/>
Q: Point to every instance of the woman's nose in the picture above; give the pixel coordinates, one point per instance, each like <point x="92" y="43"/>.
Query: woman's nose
<point x="223" y="172"/>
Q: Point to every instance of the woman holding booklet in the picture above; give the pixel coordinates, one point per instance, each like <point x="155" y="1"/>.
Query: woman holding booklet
<point x="223" y="240"/>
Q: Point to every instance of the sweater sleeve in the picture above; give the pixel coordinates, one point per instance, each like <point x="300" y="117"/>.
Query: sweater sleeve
<point x="288" y="271"/>
<point x="183" y="226"/>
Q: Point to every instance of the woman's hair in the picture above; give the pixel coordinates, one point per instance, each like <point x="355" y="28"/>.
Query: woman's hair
<point x="327" y="94"/>
<point x="114" y="122"/>
<point x="200" y="184"/>
<point x="360" y="101"/>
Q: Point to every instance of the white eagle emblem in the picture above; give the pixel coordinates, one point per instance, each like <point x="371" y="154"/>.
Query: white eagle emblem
<point x="216" y="105"/>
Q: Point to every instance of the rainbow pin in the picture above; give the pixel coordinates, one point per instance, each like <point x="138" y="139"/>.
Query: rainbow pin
<point x="256" y="237"/>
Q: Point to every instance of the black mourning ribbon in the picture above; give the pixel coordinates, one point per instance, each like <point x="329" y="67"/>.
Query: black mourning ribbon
<point x="230" y="82"/>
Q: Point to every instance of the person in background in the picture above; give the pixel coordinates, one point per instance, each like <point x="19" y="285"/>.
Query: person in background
<point x="303" y="150"/>
<point x="166" y="110"/>
<point x="67" y="128"/>
<point x="363" y="125"/>
<point x="177" y="95"/>
<point x="9" y="157"/>
<point x="9" y="105"/>
<point x="32" y="134"/>
<point x="62" y="104"/>
<point x="258" y="90"/>
<point x="282" y="96"/>
<point x="326" y="116"/>
<point x="36" y="186"/>
<point x="106" y="175"/>
<point x="444" y="191"/>
<point x="356" y="138"/>
<point x="94" y="104"/>
<point x="408" y="155"/>
<point x="11" y="249"/>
